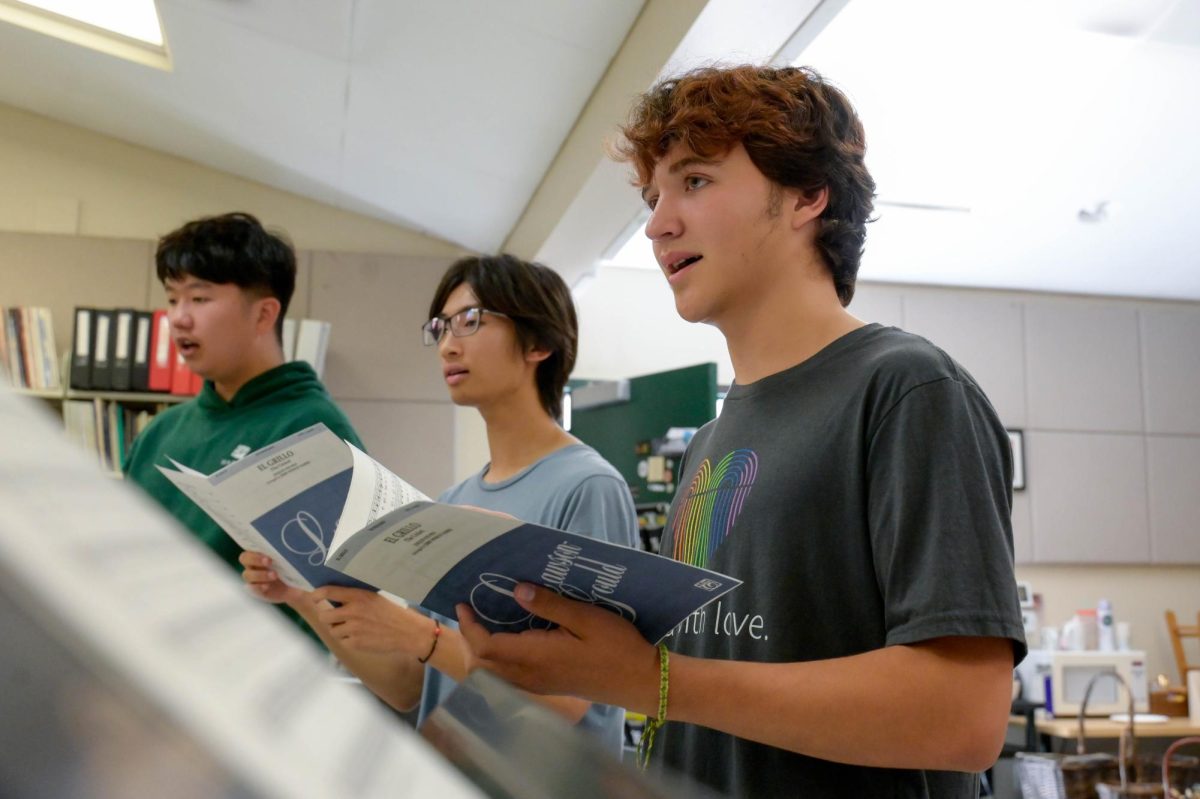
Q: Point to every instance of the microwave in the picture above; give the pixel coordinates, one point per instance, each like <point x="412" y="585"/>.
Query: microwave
<point x="1066" y="675"/>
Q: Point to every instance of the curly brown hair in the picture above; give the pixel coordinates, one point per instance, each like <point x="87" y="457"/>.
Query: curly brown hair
<point x="800" y="131"/>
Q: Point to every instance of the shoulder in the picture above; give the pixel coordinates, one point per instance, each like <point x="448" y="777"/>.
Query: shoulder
<point x="578" y="475"/>
<point x="595" y="497"/>
<point x="452" y="494"/>
<point x="577" y="466"/>
<point x="316" y="406"/>
<point x="335" y="419"/>
<point x="895" y="353"/>
<point x="895" y="364"/>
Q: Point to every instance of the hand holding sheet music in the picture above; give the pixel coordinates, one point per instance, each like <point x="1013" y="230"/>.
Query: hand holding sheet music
<point x="328" y="514"/>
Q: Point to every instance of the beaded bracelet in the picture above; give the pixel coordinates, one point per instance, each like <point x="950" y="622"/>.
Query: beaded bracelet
<point x="652" y="724"/>
<point x="437" y="634"/>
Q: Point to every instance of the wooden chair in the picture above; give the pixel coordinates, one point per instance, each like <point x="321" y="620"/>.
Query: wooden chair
<point x="1178" y="632"/>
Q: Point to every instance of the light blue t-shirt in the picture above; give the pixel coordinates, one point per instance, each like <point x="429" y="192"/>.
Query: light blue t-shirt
<point x="572" y="489"/>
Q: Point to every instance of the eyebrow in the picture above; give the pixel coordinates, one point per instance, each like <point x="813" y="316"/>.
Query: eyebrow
<point x="682" y="164"/>
<point x="190" y="283"/>
<point x="466" y="307"/>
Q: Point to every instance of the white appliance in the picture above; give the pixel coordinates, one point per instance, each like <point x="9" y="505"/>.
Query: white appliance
<point x="1067" y="673"/>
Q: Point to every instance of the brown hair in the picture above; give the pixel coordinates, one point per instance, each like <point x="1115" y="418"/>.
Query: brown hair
<point x="537" y="301"/>
<point x="800" y="131"/>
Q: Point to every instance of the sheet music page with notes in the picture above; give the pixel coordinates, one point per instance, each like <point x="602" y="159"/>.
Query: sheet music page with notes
<point x="374" y="491"/>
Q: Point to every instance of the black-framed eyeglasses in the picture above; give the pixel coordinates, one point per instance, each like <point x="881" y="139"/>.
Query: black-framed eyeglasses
<point x="464" y="323"/>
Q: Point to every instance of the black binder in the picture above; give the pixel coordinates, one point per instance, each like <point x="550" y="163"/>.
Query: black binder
<point x="139" y="373"/>
<point x="121" y="348"/>
<point x="102" y="349"/>
<point x="81" y="348"/>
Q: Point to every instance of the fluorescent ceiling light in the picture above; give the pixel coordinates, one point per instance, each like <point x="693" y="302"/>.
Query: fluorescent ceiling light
<point x="635" y="251"/>
<point x="128" y="29"/>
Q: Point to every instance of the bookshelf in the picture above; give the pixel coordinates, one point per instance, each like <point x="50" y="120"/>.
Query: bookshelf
<point x="127" y="397"/>
<point x="102" y="422"/>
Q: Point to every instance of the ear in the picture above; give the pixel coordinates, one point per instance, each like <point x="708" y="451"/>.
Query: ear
<point x="267" y="313"/>
<point x="807" y="207"/>
<point x="535" y="355"/>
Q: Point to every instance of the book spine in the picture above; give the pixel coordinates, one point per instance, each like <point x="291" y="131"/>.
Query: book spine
<point x="49" y="349"/>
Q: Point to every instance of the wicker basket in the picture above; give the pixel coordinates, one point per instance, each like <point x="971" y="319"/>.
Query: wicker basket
<point x="1181" y="780"/>
<point x="1053" y="776"/>
<point x="1132" y="790"/>
<point x="1078" y="776"/>
<point x="1169" y="777"/>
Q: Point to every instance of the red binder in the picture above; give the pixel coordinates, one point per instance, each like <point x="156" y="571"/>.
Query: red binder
<point x="181" y="377"/>
<point x="162" y="353"/>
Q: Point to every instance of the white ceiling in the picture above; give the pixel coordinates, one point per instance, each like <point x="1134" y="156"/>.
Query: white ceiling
<point x="441" y="116"/>
<point x="1024" y="144"/>
<point x="453" y="118"/>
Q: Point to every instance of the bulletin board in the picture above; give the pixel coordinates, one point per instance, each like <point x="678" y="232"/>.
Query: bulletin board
<point x="625" y="432"/>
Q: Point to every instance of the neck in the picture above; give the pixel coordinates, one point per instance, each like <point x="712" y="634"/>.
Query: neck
<point x="261" y="358"/>
<point x="795" y="316"/>
<point x="520" y="433"/>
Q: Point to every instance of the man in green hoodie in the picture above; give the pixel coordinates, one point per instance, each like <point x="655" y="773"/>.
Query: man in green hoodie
<point x="228" y="284"/>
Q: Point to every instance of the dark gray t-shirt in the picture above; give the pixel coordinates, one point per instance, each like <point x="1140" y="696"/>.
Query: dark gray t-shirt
<point x="864" y="498"/>
<point x="571" y="489"/>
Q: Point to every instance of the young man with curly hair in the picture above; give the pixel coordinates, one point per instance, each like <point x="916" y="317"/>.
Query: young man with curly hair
<point x="857" y="481"/>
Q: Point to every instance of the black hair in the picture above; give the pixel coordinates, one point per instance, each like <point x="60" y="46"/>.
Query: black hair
<point x="537" y="301"/>
<point x="231" y="248"/>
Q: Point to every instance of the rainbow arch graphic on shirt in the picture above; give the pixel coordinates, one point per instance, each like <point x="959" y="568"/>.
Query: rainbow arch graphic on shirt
<point x="713" y="501"/>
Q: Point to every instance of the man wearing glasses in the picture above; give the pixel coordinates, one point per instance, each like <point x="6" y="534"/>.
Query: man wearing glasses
<point x="506" y="335"/>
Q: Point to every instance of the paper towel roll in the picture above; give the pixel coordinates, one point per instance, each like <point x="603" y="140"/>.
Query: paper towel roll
<point x="1193" y="687"/>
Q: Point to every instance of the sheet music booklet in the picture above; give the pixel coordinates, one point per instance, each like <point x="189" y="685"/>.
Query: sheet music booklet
<point x="327" y="513"/>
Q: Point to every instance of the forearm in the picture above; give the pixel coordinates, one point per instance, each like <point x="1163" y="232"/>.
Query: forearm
<point x="941" y="705"/>
<point x="392" y="676"/>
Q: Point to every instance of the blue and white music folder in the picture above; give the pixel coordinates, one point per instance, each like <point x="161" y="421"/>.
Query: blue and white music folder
<point x="327" y="513"/>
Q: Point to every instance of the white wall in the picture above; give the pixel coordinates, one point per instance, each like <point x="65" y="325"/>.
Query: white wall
<point x="92" y="206"/>
<point x="58" y="178"/>
<point x="1106" y="390"/>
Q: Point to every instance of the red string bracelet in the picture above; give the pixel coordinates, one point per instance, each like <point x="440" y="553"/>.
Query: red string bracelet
<point x="437" y="633"/>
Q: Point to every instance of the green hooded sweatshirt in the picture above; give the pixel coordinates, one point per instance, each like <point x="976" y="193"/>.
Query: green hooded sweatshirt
<point x="207" y="433"/>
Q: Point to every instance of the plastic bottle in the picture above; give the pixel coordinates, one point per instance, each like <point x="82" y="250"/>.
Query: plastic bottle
<point x="1105" y="628"/>
<point x="1072" y="634"/>
<point x="1091" y="628"/>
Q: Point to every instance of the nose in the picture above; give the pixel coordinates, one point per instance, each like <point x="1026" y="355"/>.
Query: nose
<point x="664" y="222"/>
<point x="178" y="316"/>
<point x="449" y="345"/>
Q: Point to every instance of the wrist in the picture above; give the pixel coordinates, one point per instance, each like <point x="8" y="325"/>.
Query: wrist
<point x="659" y="717"/>
<point x="436" y="634"/>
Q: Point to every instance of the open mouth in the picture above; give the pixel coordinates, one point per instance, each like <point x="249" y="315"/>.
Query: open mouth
<point x="676" y="267"/>
<point x="186" y="346"/>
